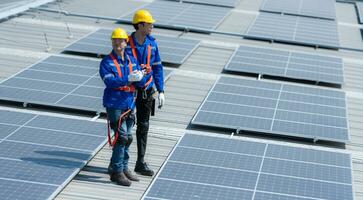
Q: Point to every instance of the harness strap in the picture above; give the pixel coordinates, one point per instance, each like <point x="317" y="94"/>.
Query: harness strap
<point x="146" y="66"/>
<point x="130" y="88"/>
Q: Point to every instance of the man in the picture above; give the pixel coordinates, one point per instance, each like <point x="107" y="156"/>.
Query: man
<point x="143" y="46"/>
<point x="121" y="74"/>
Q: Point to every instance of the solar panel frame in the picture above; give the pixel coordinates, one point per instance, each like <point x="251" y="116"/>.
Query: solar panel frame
<point x="33" y="162"/>
<point x="274" y="125"/>
<point x="196" y="17"/>
<point x="165" y="186"/>
<point x="286" y="64"/>
<point x="168" y="52"/>
<point x="359" y="7"/>
<point x="324" y="9"/>
<point x="295" y="30"/>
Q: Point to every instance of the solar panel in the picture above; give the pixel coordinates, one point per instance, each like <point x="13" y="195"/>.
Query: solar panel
<point x="294" y="29"/>
<point x="172" y="50"/>
<point x="280" y="109"/>
<point x="206" y="167"/>
<point x="59" y="81"/>
<point x="359" y="6"/>
<point x="225" y="3"/>
<point x="287" y="64"/>
<point x="185" y="15"/>
<point x="43" y="153"/>
<point x="324" y="9"/>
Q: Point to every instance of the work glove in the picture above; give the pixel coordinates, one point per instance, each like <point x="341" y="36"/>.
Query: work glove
<point x="135" y="76"/>
<point x="161" y="99"/>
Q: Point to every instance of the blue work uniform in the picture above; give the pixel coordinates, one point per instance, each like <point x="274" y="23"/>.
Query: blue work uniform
<point x="118" y="98"/>
<point x="148" y="56"/>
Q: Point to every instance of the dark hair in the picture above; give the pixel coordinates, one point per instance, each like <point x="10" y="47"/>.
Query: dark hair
<point x="136" y="26"/>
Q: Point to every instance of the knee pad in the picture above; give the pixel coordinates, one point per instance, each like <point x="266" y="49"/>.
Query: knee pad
<point x="122" y="140"/>
<point x="129" y="140"/>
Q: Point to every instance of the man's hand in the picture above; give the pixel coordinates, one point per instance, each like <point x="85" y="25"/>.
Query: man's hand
<point x="135" y="76"/>
<point x="161" y="99"/>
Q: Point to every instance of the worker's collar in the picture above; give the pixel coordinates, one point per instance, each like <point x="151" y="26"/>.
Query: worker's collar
<point x="119" y="57"/>
<point x="146" y="40"/>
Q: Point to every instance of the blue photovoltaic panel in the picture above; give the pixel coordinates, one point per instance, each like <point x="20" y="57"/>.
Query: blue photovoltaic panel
<point x="59" y="81"/>
<point x="287" y="64"/>
<point x="43" y="153"/>
<point x="280" y="109"/>
<point x="56" y="81"/>
<point x="359" y="6"/>
<point x="185" y="15"/>
<point x="312" y="8"/>
<point x="225" y="3"/>
<point x="294" y="29"/>
<point x="277" y="172"/>
<point x="172" y="50"/>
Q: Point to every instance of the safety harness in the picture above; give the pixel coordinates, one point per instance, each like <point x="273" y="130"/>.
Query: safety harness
<point x="129" y="88"/>
<point x="146" y="66"/>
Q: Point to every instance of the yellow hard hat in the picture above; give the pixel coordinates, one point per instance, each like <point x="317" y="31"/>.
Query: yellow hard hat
<point x="120" y="34"/>
<point x="142" y="16"/>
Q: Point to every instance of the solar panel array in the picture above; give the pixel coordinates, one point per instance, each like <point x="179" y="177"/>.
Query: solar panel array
<point x="314" y="8"/>
<point x="225" y="3"/>
<point x="287" y="64"/>
<point x="279" y="109"/>
<point x="359" y="6"/>
<point x="172" y="50"/>
<point x="185" y="15"/>
<point x="59" y="81"/>
<point x="39" y="154"/>
<point x="294" y="29"/>
<point x="205" y="167"/>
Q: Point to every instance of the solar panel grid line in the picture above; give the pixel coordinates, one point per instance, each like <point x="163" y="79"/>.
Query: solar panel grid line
<point x="287" y="64"/>
<point x="77" y="133"/>
<point x="210" y="166"/>
<point x="80" y="85"/>
<point x="295" y="28"/>
<point x="301" y="116"/>
<point x="25" y="181"/>
<point x="282" y="120"/>
<point x="63" y="73"/>
<point x="259" y="172"/>
<point x="21" y="126"/>
<point x="299" y="179"/>
<point x="68" y="65"/>
<point x="276" y="107"/>
<point x="275" y="23"/>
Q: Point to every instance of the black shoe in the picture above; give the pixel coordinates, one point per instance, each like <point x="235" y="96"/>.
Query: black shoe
<point x="143" y="169"/>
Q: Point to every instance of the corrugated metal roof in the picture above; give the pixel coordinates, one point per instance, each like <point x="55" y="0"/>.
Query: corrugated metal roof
<point x="22" y="41"/>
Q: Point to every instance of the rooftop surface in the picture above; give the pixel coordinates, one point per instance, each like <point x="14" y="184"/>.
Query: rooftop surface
<point x="33" y="35"/>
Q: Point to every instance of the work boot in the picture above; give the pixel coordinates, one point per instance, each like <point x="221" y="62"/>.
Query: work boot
<point x="120" y="179"/>
<point x="130" y="176"/>
<point x="143" y="169"/>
